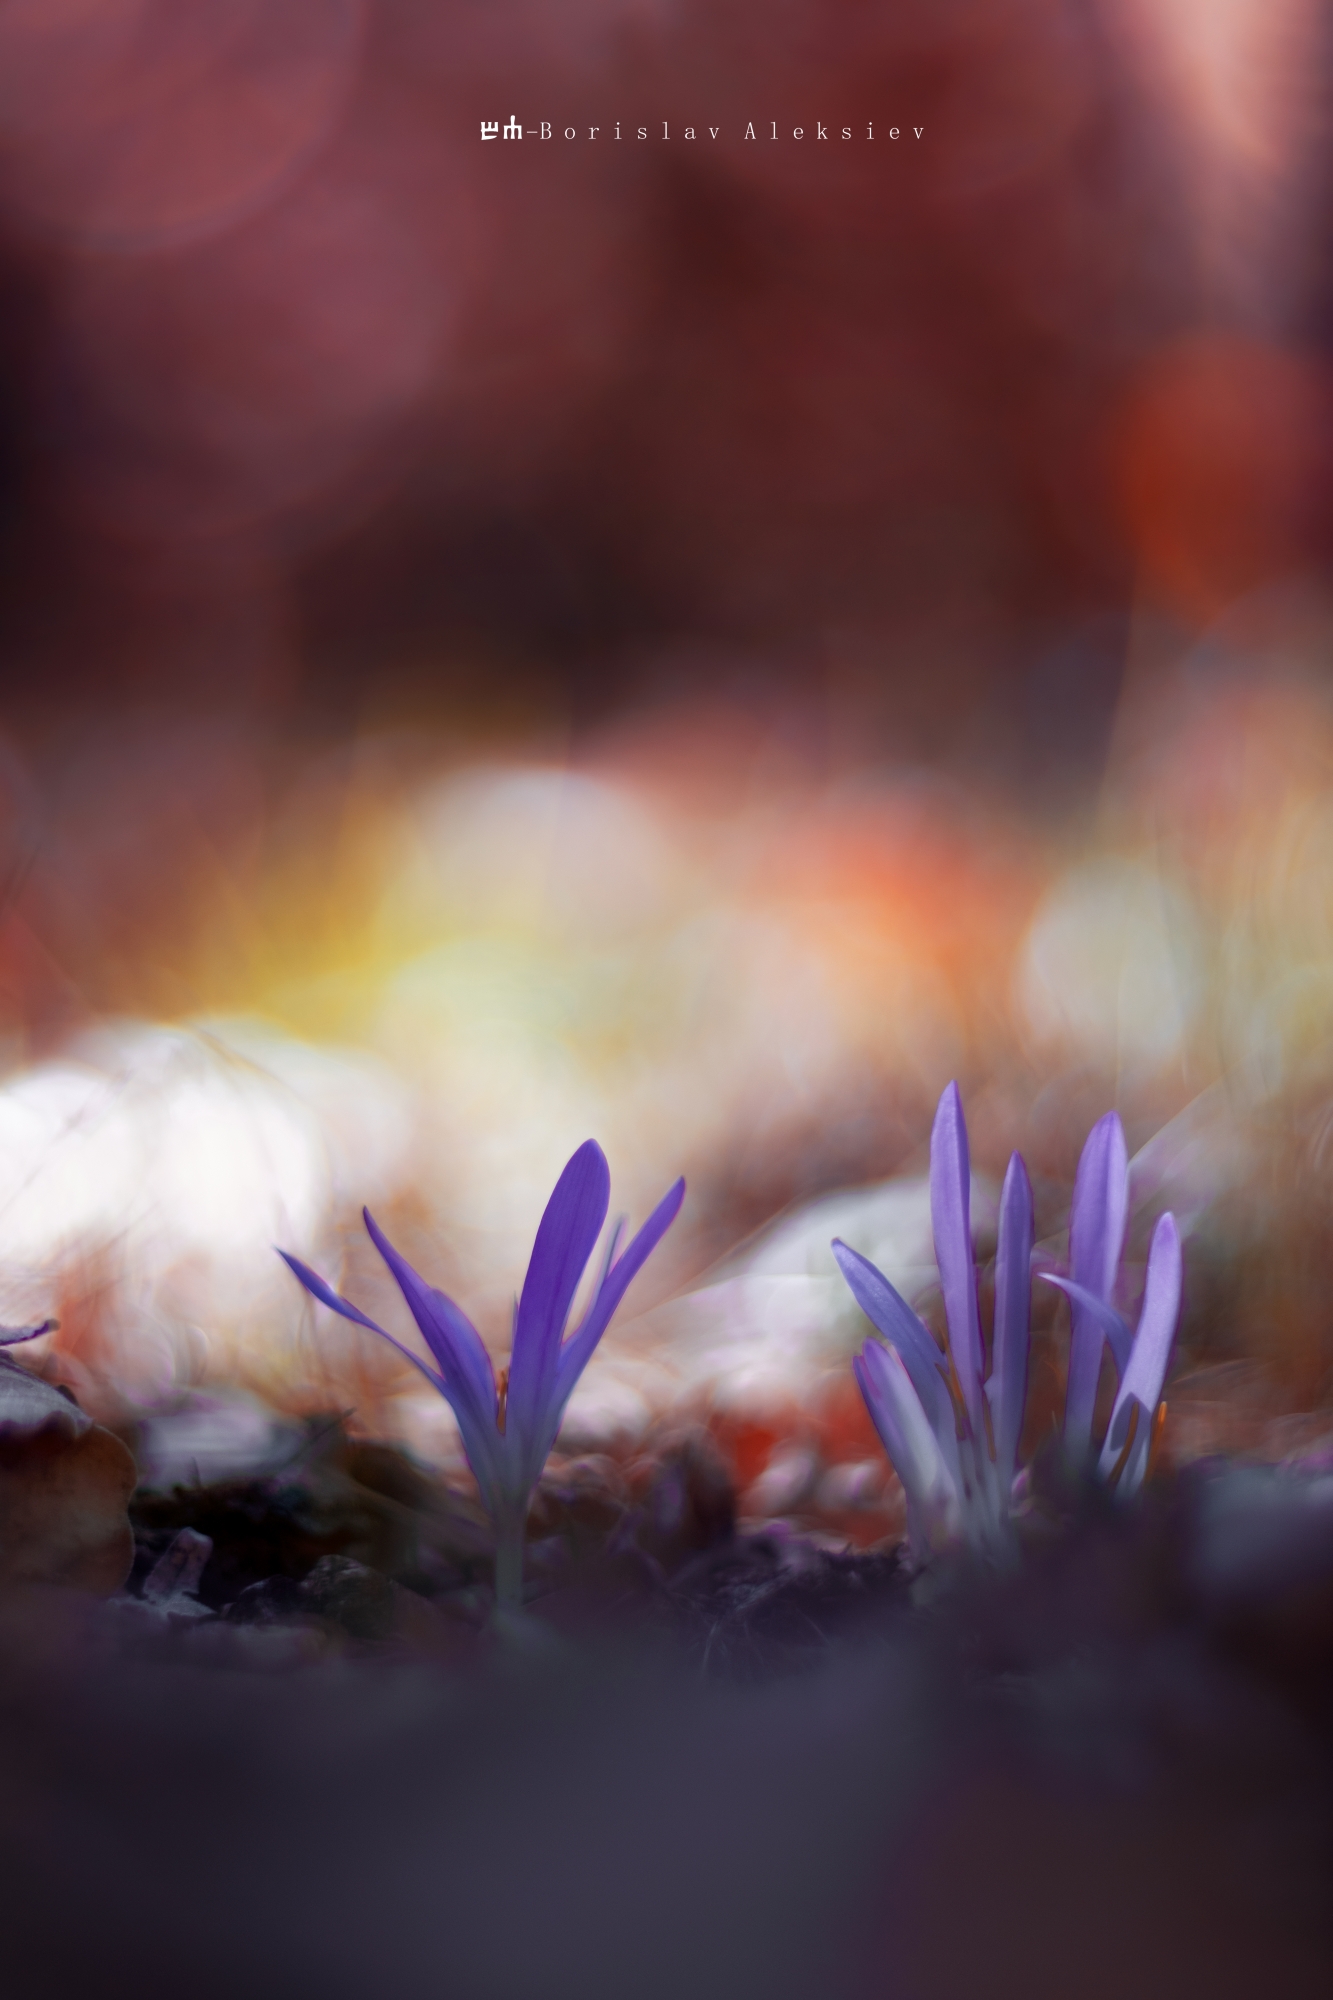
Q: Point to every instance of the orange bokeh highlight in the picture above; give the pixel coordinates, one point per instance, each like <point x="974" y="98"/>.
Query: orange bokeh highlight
<point x="1220" y="454"/>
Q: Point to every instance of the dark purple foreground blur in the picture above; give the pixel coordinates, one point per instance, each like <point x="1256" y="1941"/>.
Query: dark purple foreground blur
<point x="769" y="1773"/>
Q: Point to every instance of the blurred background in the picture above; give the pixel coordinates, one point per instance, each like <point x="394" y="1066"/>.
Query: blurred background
<point x="695" y="644"/>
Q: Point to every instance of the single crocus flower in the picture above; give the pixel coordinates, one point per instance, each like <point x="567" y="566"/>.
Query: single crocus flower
<point x="951" y="1435"/>
<point x="1141" y="1358"/>
<point x="509" y="1426"/>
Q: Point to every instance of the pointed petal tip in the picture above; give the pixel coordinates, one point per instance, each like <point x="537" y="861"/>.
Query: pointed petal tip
<point x="845" y="1258"/>
<point x="645" y="1240"/>
<point x="949" y="1148"/>
<point x="310" y="1279"/>
<point x="950" y="1107"/>
<point x="1106" y="1140"/>
<point x="375" y="1233"/>
<point x="578" y="1202"/>
<point x="319" y="1288"/>
<point x="1016" y="1195"/>
<point x="1166" y="1257"/>
<point x="587" y="1159"/>
<point x="851" y="1263"/>
<point x="381" y="1241"/>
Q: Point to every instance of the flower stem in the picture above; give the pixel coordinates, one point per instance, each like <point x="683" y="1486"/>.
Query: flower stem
<point x="509" y="1563"/>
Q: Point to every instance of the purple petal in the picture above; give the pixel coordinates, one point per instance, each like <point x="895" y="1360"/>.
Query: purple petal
<point x="950" y="1214"/>
<point x="909" y="1440"/>
<point x="327" y="1297"/>
<point x="577" y="1350"/>
<point x="887" y="1310"/>
<point x="609" y="1259"/>
<point x="321" y="1289"/>
<point x="612" y="1251"/>
<point x="465" y="1367"/>
<point x="465" y="1379"/>
<point x="566" y="1237"/>
<point x="1007" y="1388"/>
<point x="1108" y="1320"/>
<point x="1096" y="1238"/>
<point x="14" y="1336"/>
<point x="1101" y="1200"/>
<point x="1150" y="1355"/>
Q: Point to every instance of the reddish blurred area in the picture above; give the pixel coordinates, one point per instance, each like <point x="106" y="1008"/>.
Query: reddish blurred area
<point x="1225" y="469"/>
<point x="306" y="386"/>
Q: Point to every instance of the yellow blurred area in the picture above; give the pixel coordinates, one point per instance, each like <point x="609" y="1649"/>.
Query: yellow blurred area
<point x="418" y="975"/>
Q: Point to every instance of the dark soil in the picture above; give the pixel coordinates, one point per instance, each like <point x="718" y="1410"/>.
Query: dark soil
<point x="739" y="1765"/>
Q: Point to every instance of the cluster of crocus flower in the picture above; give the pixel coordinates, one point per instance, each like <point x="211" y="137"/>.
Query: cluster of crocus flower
<point x="951" y="1434"/>
<point x="509" y="1423"/>
<point x="950" y="1427"/>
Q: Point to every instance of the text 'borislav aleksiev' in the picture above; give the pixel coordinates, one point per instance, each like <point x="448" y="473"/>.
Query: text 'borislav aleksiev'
<point x="491" y="128"/>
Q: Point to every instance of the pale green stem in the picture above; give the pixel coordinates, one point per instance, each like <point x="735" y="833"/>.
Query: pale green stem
<point x="509" y="1562"/>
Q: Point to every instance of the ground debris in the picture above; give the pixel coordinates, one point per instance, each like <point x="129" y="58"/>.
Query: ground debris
<point x="342" y="1497"/>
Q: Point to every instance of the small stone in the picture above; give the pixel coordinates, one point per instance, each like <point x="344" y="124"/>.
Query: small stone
<point x="348" y="1594"/>
<point x="276" y="1600"/>
<point x="177" y="1572"/>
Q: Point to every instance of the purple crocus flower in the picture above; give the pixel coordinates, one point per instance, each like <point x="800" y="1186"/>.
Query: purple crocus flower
<point x="1096" y="1237"/>
<point x="509" y="1426"/>
<point x="951" y="1435"/>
